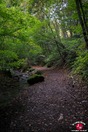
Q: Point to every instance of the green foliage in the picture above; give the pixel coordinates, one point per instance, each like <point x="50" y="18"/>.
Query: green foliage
<point x="41" y="32"/>
<point x="6" y="58"/>
<point x="81" y="65"/>
<point x="53" y="59"/>
<point x="9" y="59"/>
<point x="50" y="30"/>
<point x="17" y="42"/>
<point x="72" y="45"/>
<point x="8" y="55"/>
<point x="17" y="64"/>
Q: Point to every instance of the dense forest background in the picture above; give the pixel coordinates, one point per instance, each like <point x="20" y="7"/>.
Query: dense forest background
<point x="41" y="32"/>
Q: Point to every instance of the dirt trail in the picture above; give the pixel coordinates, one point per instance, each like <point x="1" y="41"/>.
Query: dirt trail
<point x="50" y="106"/>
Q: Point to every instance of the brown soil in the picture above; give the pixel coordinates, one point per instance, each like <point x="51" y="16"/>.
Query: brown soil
<point x="50" y="106"/>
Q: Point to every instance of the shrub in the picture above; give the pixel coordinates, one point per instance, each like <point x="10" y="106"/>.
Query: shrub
<point x="53" y="59"/>
<point x="17" y="64"/>
<point x="71" y="58"/>
<point x="6" y="58"/>
<point x="81" y="65"/>
<point x="9" y="59"/>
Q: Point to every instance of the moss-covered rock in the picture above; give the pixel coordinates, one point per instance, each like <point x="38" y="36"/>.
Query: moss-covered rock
<point x="35" y="79"/>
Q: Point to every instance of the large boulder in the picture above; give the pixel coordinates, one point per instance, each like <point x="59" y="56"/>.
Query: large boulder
<point x="35" y="79"/>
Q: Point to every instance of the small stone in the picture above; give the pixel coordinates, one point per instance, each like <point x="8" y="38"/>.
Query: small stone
<point x="61" y="117"/>
<point x="46" y="124"/>
<point x="84" y="101"/>
<point x="50" y="123"/>
<point x="29" y="124"/>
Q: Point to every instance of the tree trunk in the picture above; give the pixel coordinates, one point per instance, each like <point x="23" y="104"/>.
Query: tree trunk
<point x="82" y="20"/>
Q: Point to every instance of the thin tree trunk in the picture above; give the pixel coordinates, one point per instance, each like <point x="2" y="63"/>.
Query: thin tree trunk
<point x="59" y="46"/>
<point x="84" y="18"/>
<point x="82" y="21"/>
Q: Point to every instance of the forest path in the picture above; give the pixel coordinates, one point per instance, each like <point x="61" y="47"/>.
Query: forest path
<point x="40" y="68"/>
<point x="50" y="106"/>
